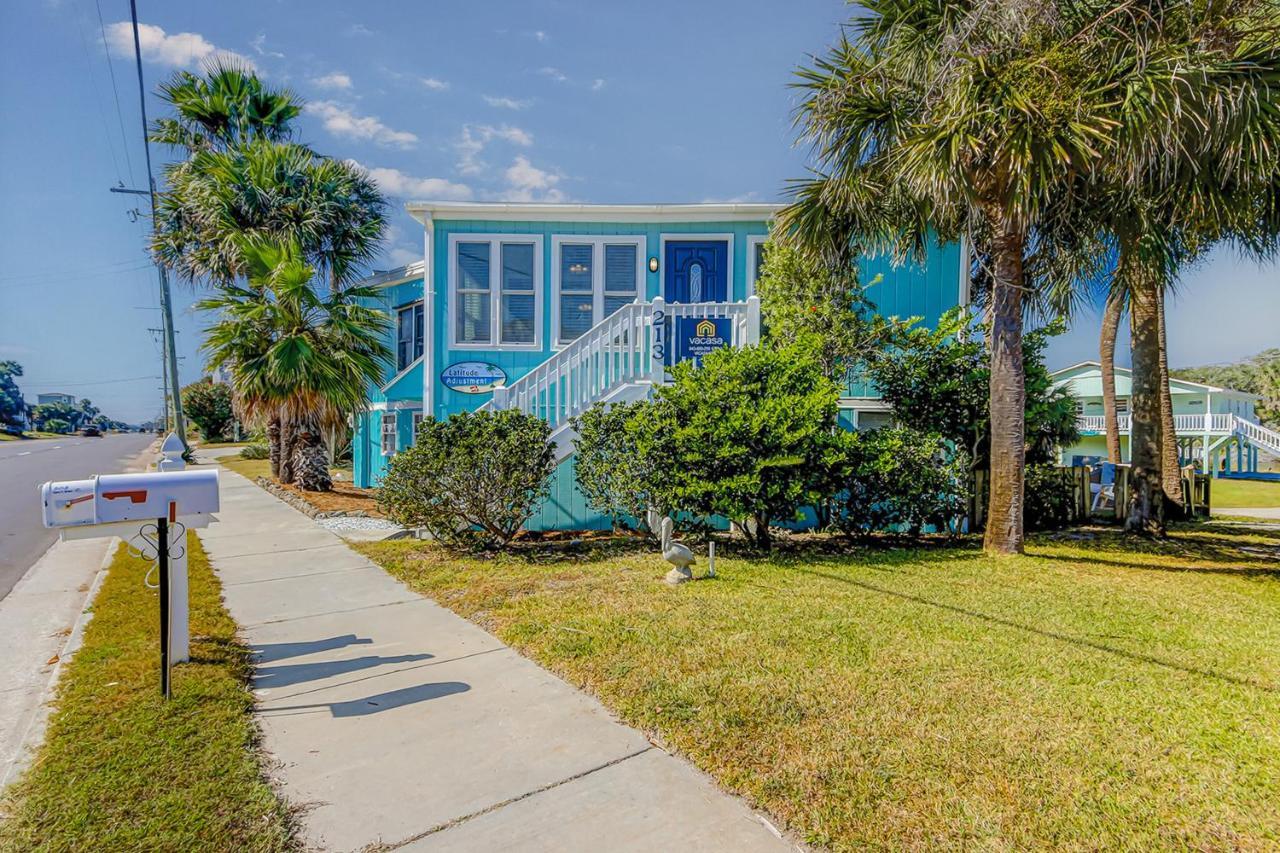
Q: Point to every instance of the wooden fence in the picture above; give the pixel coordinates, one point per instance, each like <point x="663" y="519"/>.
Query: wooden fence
<point x="1078" y="496"/>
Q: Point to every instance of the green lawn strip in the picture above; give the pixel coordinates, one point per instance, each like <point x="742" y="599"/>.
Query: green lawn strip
<point x="1251" y="493"/>
<point x="1091" y="694"/>
<point x="251" y="468"/>
<point x="120" y="769"/>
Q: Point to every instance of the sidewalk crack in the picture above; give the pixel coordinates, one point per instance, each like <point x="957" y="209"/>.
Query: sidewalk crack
<point x="380" y="848"/>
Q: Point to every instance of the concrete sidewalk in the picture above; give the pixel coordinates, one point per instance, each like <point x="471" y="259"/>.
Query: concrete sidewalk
<point x="395" y="722"/>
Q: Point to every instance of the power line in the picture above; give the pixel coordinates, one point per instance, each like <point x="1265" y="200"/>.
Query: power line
<point x="26" y="381"/>
<point x="115" y="92"/>
<point x="107" y="267"/>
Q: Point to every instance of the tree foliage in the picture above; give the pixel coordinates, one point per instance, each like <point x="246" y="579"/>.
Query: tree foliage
<point x="804" y="300"/>
<point x="742" y="436"/>
<point x="1259" y="375"/>
<point x="473" y="480"/>
<point x="209" y="405"/>
<point x="937" y="381"/>
<point x="13" y="407"/>
<point x="612" y="473"/>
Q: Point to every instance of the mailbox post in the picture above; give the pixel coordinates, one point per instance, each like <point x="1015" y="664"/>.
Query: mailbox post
<point x="172" y="499"/>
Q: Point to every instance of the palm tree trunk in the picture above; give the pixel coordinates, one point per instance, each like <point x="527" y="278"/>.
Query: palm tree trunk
<point x="1170" y="472"/>
<point x="288" y="440"/>
<point x="1004" y="533"/>
<point x="273" y="445"/>
<point x="1107" y="357"/>
<point x="311" y="460"/>
<point x="1146" y="493"/>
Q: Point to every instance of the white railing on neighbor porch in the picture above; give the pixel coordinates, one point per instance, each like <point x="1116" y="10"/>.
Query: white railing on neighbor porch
<point x="1212" y="422"/>
<point x="628" y="347"/>
<point x="1259" y="435"/>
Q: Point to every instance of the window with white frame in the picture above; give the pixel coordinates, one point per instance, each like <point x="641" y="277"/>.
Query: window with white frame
<point x="497" y="295"/>
<point x="594" y="277"/>
<point x="408" y="335"/>
<point x="1122" y="405"/>
<point x="388" y="433"/>
<point x="755" y="260"/>
<point x="417" y="421"/>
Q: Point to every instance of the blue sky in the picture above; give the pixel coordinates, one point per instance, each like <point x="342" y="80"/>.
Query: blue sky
<point x="538" y="100"/>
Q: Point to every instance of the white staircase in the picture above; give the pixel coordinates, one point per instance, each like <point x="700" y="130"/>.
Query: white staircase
<point x="618" y="360"/>
<point x="1259" y="435"/>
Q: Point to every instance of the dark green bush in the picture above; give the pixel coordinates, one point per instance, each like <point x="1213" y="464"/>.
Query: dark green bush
<point x="208" y="405"/>
<point x="473" y="480"/>
<point x="896" y="478"/>
<point x="255" y="451"/>
<point x="1048" y="497"/>
<point x="611" y="472"/>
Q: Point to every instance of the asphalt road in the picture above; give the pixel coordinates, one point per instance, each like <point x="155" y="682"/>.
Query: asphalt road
<point x="24" y="465"/>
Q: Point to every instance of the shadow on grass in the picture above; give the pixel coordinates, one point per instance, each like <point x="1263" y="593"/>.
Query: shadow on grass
<point x="1226" y="570"/>
<point x="1042" y="632"/>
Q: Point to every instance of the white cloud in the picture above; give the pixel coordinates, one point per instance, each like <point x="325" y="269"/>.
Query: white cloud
<point x="539" y="35"/>
<point x="597" y="84"/>
<point x="506" y="103"/>
<point x="402" y="257"/>
<point x="433" y="84"/>
<point x="177" y="50"/>
<point x="554" y="73"/>
<point x="397" y="183"/>
<point x="259" y="44"/>
<point x="340" y="121"/>
<point x="359" y="30"/>
<point x="526" y="182"/>
<point x="334" y="80"/>
<point x="476" y="136"/>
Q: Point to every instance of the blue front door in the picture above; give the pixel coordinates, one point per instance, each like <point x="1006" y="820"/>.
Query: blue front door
<point x="696" y="271"/>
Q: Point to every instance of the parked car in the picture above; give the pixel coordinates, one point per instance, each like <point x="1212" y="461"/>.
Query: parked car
<point x="91" y="432"/>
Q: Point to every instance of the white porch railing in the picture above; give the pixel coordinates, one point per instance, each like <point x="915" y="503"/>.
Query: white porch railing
<point x="1259" y="435"/>
<point x="1213" y="422"/>
<point x="629" y="346"/>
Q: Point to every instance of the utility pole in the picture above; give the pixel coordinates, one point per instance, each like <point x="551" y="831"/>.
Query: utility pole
<point x="164" y="359"/>
<point x="166" y="301"/>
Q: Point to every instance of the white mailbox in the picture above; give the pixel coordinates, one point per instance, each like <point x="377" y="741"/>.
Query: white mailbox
<point x="112" y="498"/>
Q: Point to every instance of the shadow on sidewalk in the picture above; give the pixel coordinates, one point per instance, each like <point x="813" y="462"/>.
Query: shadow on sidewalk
<point x="268" y="652"/>
<point x="285" y="675"/>
<point x="376" y="703"/>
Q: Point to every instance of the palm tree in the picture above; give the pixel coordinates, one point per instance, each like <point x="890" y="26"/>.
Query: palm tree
<point x="1002" y="120"/>
<point x="966" y="117"/>
<point x="278" y="191"/>
<point x="298" y="361"/>
<point x="225" y="107"/>
<point x="1111" y="316"/>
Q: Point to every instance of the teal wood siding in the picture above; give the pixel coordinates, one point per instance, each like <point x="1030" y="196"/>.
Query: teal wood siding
<point x="925" y="290"/>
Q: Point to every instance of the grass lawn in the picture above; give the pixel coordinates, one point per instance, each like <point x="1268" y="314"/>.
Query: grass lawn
<point x="122" y="770"/>
<point x="1084" y="696"/>
<point x="251" y="468"/>
<point x="1251" y="493"/>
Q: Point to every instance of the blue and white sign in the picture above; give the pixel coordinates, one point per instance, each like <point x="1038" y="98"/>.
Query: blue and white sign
<point x="473" y="377"/>
<point x="697" y="336"/>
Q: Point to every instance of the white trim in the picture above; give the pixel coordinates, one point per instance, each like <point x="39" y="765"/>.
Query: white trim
<point x="753" y="240"/>
<point x="394" y="379"/>
<point x="495" y="242"/>
<point x="429" y="317"/>
<point x="597" y="242"/>
<point x="665" y="238"/>
<point x="535" y="212"/>
<point x="392" y="417"/>
<point x="965" y="296"/>
<point x="864" y="404"/>
<point x="396" y="310"/>
<point x="390" y="278"/>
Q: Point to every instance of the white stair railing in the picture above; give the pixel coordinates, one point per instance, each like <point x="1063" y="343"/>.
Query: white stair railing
<point x="1258" y="434"/>
<point x="629" y="346"/>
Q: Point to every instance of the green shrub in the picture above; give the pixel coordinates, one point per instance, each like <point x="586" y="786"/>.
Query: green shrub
<point x="611" y="472"/>
<point x="255" y="451"/>
<point x="897" y="477"/>
<point x="1047" y="499"/>
<point x="208" y="405"/>
<point x="742" y="436"/>
<point x="473" y="480"/>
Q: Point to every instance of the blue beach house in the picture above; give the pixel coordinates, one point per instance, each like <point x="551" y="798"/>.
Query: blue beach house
<point x="550" y="308"/>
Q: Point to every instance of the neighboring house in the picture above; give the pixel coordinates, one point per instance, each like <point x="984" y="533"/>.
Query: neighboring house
<point x="52" y="397"/>
<point x="1216" y="427"/>
<point x="550" y="308"/>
